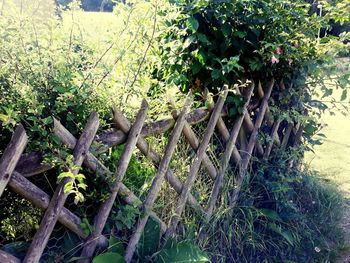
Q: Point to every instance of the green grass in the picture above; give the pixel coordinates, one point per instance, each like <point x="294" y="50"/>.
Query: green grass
<point x="95" y="27"/>
<point x="332" y="158"/>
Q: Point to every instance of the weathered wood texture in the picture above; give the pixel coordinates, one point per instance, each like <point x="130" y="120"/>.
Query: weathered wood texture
<point x="230" y="146"/>
<point x="252" y="142"/>
<point x="8" y="258"/>
<point x="22" y="186"/>
<point x="148" y="151"/>
<point x="11" y="156"/>
<point x="157" y="181"/>
<point x="196" y="165"/>
<point x="107" y="205"/>
<point x="95" y="165"/>
<point x="59" y="198"/>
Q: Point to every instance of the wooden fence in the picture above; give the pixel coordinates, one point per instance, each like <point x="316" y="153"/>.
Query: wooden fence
<point x="241" y="143"/>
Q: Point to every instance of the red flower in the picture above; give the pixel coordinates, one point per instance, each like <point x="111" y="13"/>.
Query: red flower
<point x="296" y="45"/>
<point x="274" y="60"/>
<point x="278" y="51"/>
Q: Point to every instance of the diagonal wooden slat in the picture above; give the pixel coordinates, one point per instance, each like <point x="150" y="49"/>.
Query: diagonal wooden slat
<point x="32" y="164"/>
<point x="157" y="181"/>
<point x="230" y="146"/>
<point x="194" y="143"/>
<point x="59" y="198"/>
<point x="116" y="137"/>
<point x="298" y="135"/>
<point x="287" y="135"/>
<point x="226" y="136"/>
<point x="175" y="218"/>
<point x="273" y="135"/>
<point x="106" y="207"/>
<point x="95" y="165"/>
<point x="11" y="156"/>
<point x="22" y="186"/>
<point x="8" y="258"/>
<point x="252" y="142"/>
<point x="149" y="152"/>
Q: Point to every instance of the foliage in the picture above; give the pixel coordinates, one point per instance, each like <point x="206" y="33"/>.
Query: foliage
<point x="20" y="219"/>
<point x="182" y="252"/>
<point x="108" y="257"/>
<point x="283" y="215"/>
<point x="43" y="74"/>
<point x="212" y="43"/>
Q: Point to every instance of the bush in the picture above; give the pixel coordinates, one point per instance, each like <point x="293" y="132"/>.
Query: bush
<point x="44" y="74"/>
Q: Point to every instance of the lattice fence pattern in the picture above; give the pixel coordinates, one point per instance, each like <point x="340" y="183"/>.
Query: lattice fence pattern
<point x="241" y="143"/>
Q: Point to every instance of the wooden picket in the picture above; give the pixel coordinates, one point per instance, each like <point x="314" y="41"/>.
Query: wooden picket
<point x="241" y="143"/>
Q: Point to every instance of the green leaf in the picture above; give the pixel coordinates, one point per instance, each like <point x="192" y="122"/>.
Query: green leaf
<point x="271" y="214"/>
<point x="114" y="245"/>
<point x="4" y="118"/>
<point x="68" y="187"/>
<point x="285" y="234"/>
<point x="150" y="239"/>
<point x="196" y="67"/>
<point x="344" y="95"/>
<point x="48" y="120"/>
<point x="75" y="259"/>
<point x="203" y="38"/>
<point x="215" y="74"/>
<point x="182" y="252"/>
<point x="240" y="34"/>
<point x="59" y="89"/>
<point x="192" y="24"/>
<point x="188" y="41"/>
<point x="109" y="257"/>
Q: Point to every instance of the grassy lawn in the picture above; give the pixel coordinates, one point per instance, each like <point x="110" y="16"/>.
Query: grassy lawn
<point x="332" y="158"/>
<point x="93" y="26"/>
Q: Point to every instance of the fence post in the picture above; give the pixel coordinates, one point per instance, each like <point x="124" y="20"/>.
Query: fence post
<point x="11" y="156"/>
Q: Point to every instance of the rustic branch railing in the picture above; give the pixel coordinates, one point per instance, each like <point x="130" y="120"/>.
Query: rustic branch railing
<point x="240" y="144"/>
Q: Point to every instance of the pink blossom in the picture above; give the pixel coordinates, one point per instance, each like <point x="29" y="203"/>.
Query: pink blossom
<point x="274" y="60"/>
<point x="296" y="44"/>
<point x="278" y="51"/>
<point x="290" y="61"/>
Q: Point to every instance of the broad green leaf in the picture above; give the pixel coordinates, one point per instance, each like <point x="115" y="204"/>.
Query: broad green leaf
<point x="192" y="24"/>
<point x="215" y="74"/>
<point x="195" y="67"/>
<point x="114" y="245"/>
<point x="109" y="257"/>
<point x="271" y="214"/>
<point x="149" y="239"/>
<point x="203" y="38"/>
<point x="285" y="234"/>
<point x="182" y="252"/>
